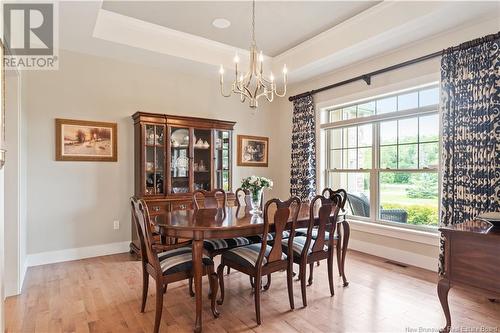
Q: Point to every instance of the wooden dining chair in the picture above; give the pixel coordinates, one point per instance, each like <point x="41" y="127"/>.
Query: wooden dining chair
<point x="209" y="199"/>
<point x="173" y="263"/>
<point x="243" y="198"/>
<point x="308" y="250"/>
<point x="329" y="193"/>
<point x="214" y="247"/>
<point x="257" y="260"/>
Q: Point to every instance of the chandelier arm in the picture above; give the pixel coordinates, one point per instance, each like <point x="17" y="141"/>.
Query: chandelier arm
<point x="282" y="94"/>
<point x="284" y="89"/>
<point x="222" y="88"/>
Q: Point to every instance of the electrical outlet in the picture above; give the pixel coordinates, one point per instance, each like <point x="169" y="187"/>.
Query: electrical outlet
<point x="116" y="225"/>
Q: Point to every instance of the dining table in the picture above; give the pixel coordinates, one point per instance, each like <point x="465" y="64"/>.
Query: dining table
<point x="202" y="224"/>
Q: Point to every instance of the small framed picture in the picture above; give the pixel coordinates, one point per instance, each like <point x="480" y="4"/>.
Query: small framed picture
<point x="82" y="140"/>
<point x="253" y="151"/>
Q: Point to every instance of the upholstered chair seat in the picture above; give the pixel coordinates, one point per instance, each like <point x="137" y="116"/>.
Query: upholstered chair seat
<point x="247" y="255"/>
<point x="298" y="246"/>
<point x="179" y="260"/>
<point x="211" y="245"/>
<point x="303" y="232"/>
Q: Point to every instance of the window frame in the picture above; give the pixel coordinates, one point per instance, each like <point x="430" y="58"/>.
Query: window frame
<point x="324" y="144"/>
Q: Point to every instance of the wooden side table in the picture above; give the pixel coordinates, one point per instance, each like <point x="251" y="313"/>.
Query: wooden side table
<point x="472" y="259"/>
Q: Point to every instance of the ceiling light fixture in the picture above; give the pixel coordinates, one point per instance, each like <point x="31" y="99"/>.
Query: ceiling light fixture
<point x="221" y="23"/>
<point x="253" y="84"/>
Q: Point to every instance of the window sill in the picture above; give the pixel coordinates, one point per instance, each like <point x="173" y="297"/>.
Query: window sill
<point x="417" y="236"/>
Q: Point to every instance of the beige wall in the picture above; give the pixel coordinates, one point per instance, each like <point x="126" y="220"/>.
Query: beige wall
<point x="399" y="79"/>
<point x="73" y="204"/>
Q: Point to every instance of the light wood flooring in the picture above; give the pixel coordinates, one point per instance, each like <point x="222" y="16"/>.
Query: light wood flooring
<point x="103" y="295"/>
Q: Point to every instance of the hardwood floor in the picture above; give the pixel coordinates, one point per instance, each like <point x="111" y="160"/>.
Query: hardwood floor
<point x="103" y="295"/>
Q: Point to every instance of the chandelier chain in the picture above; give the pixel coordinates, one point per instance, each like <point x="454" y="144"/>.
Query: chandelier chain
<point x="253" y="22"/>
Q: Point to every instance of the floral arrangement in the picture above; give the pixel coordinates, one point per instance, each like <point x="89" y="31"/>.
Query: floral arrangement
<point x="256" y="183"/>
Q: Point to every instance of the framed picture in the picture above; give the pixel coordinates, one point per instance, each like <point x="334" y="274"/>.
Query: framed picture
<point x="253" y="151"/>
<point x="2" y="104"/>
<point x="81" y="140"/>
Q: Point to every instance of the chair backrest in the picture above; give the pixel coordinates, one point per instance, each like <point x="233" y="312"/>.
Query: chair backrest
<point x="243" y="198"/>
<point x="359" y="205"/>
<point x="328" y="209"/>
<point x="284" y="209"/>
<point x="209" y="199"/>
<point x="331" y="193"/>
<point x="141" y="218"/>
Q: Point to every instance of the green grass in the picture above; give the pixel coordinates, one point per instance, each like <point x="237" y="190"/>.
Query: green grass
<point x="396" y="193"/>
<point x="420" y="211"/>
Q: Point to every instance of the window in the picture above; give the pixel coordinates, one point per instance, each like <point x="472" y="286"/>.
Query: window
<point x="385" y="153"/>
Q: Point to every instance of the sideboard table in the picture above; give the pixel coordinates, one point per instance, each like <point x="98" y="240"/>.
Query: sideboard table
<point x="471" y="259"/>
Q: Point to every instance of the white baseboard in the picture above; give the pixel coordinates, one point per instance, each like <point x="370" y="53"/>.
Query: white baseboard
<point x="394" y="254"/>
<point x="51" y="257"/>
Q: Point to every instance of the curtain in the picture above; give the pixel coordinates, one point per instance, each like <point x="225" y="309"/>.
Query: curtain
<point x="470" y="108"/>
<point x="303" y="167"/>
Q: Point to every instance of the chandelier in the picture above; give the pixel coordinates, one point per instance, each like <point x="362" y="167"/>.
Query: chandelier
<point x="253" y="84"/>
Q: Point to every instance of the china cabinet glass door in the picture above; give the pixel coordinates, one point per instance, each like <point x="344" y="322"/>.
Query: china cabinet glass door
<point x="222" y="159"/>
<point x="179" y="160"/>
<point x="155" y="159"/>
<point x="202" y="163"/>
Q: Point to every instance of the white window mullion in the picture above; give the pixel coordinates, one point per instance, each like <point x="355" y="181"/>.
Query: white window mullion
<point x="374" y="192"/>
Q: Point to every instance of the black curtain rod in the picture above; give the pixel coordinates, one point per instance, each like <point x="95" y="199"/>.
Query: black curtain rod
<point x="367" y="77"/>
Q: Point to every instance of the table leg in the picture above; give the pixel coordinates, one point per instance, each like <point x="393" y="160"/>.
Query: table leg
<point x="443" y="288"/>
<point x="198" y="272"/>
<point x="346" y="234"/>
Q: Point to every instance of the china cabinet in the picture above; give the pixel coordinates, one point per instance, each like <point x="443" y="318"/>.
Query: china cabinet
<point x="176" y="155"/>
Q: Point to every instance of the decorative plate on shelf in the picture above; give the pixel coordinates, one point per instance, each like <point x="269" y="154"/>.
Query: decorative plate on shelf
<point x="181" y="136"/>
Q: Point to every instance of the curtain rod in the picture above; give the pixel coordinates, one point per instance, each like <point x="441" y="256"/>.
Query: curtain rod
<point x="367" y="77"/>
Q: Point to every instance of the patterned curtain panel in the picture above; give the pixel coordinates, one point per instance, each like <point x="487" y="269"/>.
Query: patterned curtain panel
<point x="303" y="173"/>
<point x="470" y="106"/>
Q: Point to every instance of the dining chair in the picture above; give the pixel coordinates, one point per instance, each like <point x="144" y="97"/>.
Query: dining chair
<point x="213" y="247"/>
<point x="170" y="264"/>
<point x="243" y="198"/>
<point x="308" y="250"/>
<point x="329" y="193"/>
<point x="259" y="259"/>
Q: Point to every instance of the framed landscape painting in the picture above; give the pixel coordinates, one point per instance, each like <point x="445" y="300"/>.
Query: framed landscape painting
<point x="253" y="151"/>
<point x="81" y="140"/>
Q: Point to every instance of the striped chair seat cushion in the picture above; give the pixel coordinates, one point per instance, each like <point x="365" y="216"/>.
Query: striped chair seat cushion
<point x="298" y="246"/>
<point x="247" y="255"/>
<point x="227" y="243"/>
<point x="179" y="260"/>
<point x="270" y="237"/>
<point x="303" y="232"/>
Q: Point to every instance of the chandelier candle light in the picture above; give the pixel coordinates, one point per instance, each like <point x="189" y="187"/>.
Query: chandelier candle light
<point x="255" y="185"/>
<point x="253" y="84"/>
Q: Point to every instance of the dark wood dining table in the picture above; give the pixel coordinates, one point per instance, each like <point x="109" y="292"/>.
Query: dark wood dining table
<point x="198" y="225"/>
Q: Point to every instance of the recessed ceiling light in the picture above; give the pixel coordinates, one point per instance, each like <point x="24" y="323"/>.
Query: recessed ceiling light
<point x="221" y="23"/>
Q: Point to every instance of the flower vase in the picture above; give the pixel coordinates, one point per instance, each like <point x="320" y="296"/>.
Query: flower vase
<point x="256" y="201"/>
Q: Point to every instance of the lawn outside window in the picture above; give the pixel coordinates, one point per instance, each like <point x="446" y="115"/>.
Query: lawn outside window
<point x="385" y="152"/>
